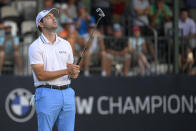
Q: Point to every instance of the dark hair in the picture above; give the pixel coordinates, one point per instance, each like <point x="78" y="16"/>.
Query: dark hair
<point x="184" y="10"/>
<point x="39" y="28"/>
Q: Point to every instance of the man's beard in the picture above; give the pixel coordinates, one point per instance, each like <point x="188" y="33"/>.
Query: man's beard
<point x="51" y="29"/>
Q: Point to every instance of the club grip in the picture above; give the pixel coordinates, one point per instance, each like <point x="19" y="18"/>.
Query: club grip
<point x="78" y="62"/>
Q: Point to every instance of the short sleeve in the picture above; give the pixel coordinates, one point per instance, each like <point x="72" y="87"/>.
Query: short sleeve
<point x="132" y="42"/>
<point x="35" y="55"/>
<point x="193" y="30"/>
<point x="16" y="40"/>
<point x="2" y="38"/>
<point x="142" y="41"/>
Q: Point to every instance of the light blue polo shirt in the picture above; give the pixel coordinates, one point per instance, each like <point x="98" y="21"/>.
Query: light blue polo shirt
<point x="8" y="48"/>
<point x="137" y="45"/>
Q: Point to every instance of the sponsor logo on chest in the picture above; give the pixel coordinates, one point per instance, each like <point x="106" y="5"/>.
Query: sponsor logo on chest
<point x="62" y="52"/>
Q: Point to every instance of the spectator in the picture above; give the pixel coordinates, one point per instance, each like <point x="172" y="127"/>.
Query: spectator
<point x="137" y="47"/>
<point x="96" y="48"/>
<point x="68" y="10"/>
<point x="188" y="61"/>
<point x="47" y="4"/>
<point x="186" y="23"/>
<point x="4" y="2"/>
<point x="66" y="25"/>
<point x="72" y="10"/>
<point x="117" y="48"/>
<point x="160" y="14"/>
<point x="63" y="12"/>
<point x="9" y="45"/>
<point x="83" y="20"/>
<point x="105" y="24"/>
<point x="118" y="10"/>
<point x="142" y="9"/>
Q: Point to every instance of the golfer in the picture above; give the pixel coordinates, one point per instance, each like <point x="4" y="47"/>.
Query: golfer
<point x="51" y="59"/>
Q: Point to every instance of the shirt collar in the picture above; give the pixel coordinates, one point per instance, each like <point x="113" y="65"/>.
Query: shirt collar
<point x="46" y="41"/>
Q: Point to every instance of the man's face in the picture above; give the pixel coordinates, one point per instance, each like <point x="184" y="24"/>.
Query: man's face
<point x="81" y="11"/>
<point x="8" y="30"/>
<point x="137" y="33"/>
<point x="49" y="21"/>
<point x="118" y="33"/>
<point x="184" y="15"/>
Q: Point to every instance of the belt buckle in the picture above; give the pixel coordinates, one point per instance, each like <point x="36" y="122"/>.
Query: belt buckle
<point x="59" y="87"/>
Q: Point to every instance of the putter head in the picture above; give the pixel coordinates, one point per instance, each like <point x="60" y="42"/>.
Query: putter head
<point x="99" y="10"/>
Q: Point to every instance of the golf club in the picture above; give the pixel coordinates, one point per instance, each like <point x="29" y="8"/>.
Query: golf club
<point x="101" y="14"/>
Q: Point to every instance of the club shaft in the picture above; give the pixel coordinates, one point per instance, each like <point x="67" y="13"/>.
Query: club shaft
<point x="91" y="37"/>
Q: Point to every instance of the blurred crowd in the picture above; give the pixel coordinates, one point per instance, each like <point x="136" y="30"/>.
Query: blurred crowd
<point x="120" y="40"/>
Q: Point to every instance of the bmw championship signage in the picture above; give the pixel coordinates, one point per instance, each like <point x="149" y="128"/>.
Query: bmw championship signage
<point x="158" y="103"/>
<point x="17" y="105"/>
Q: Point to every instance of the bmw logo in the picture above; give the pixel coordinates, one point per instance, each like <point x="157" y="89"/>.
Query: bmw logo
<point x="17" y="105"/>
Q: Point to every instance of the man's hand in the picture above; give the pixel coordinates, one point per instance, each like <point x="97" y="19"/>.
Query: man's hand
<point x="73" y="70"/>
